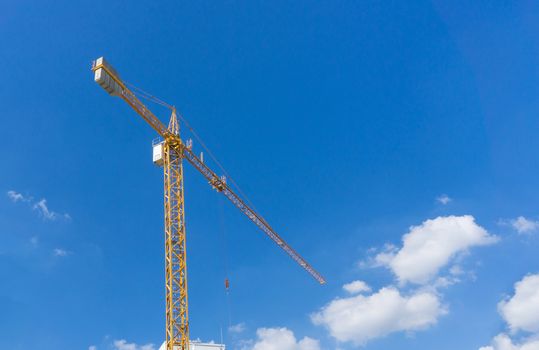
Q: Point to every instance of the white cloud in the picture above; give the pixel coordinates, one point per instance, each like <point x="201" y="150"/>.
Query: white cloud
<point x="521" y="311"/>
<point x="281" y="339"/>
<point x="425" y="251"/>
<point x="16" y="197"/>
<point x="92" y="347"/>
<point x="456" y="270"/>
<point x="122" y="344"/>
<point x="40" y="206"/>
<point x="356" y="287"/>
<point x="34" y="241"/>
<point x="443" y="199"/>
<point x="430" y="246"/>
<point x="60" y="252"/>
<point x="360" y="318"/>
<point x="503" y="342"/>
<point x="523" y="225"/>
<point x="237" y="328"/>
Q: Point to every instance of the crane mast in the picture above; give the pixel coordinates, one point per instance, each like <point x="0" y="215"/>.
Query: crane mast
<point x="174" y="150"/>
<point x="177" y="320"/>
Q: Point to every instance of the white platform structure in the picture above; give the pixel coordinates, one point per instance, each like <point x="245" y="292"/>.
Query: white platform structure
<point x="197" y="345"/>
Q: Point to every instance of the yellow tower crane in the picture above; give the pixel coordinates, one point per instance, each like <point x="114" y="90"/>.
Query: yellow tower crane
<point x="171" y="152"/>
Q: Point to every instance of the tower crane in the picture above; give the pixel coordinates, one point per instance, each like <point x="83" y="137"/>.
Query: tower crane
<point x="170" y="154"/>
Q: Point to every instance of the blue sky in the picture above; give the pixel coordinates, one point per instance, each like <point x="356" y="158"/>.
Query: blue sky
<point x="345" y="122"/>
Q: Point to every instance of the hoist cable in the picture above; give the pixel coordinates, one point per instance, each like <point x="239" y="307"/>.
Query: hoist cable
<point x="212" y="156"/>
<point x="224" y="256"/>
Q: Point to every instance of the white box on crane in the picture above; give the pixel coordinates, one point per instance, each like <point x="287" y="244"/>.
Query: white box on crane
<point x="158" y="154"/>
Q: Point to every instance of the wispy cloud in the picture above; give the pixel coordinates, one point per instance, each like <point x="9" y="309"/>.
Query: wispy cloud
<point x="60" y="252"/>
<point x="356" y="287"/>
<point x="40" y="206"/>
<point x="237" y="328"/>
<point x="18" y="197"/>
<point x="523" y="225"/>
<point x="443" y="199"/>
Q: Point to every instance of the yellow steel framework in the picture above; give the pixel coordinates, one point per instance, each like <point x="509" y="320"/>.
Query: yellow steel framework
<point x="177" y="331"/>
<point x="174" y="151"/>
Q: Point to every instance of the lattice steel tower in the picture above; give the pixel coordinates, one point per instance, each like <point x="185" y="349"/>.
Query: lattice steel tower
<point x="177" y="332"/>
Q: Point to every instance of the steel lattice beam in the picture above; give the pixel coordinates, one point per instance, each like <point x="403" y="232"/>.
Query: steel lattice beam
<point x="177" y="330"/>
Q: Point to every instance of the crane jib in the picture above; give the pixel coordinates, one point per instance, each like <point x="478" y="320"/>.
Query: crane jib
<point x="111" y="82"/>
